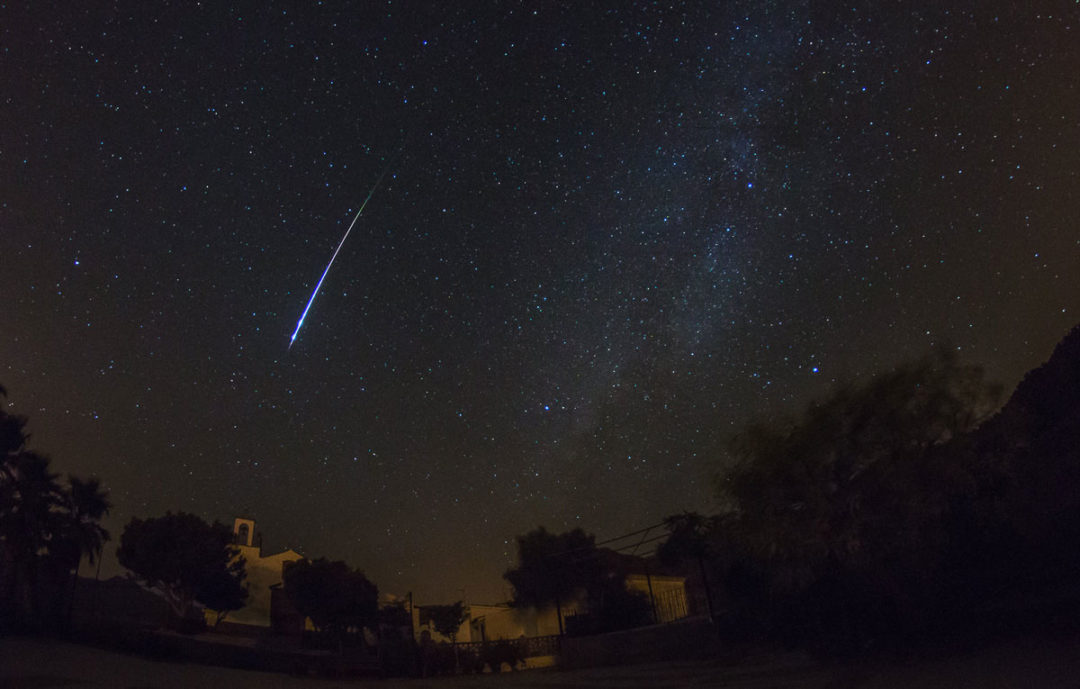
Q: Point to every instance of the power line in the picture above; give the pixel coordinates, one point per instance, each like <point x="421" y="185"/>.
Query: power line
<point x="610" y="540"/>
<point x="632" y="533"/>
<point x="591" y="550"/>
<point x="587" y="554"/>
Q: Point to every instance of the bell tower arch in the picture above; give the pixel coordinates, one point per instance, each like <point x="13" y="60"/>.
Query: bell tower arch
<point x="244" y="531"/>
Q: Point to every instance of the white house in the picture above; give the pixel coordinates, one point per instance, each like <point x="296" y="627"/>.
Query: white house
<point x="264" y="579"/>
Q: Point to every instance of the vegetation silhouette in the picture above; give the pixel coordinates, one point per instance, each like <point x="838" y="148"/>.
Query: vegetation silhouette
<point x="902" y="510"/>
<point x="689" y="540"/>
<point x="46" y="529"/>
<point x="559" y="568"/>
<point x="186" y="560"/>
<point x="334" y="596"/>
<point x="86" y="503"/>
<point x="447" y="620"/>
<point x="553" y="569"/>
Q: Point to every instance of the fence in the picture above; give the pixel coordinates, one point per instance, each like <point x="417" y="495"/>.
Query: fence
<point x="527" y="647"/>
<point x="670" y="605"/>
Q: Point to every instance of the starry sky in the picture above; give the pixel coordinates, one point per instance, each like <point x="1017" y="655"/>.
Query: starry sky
<point x="609" y="235"/>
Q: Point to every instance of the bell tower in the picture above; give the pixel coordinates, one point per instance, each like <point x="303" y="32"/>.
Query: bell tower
<point x="244" y="531"/>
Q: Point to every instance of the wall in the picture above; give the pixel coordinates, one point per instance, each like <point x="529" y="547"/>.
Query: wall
<point x="668" y="594"/>
<point x="505" y="622"/>
<point x="499" y="622"/>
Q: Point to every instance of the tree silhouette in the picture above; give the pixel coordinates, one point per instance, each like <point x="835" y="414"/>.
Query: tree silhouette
<point x="44" y="527"/>
<point x="335" y="596"/>
<point x="553" y="568"/>
<point x="12" y="433"/>
<point x="12" y="443"/>
<point x="845" y="509"/>
<point x="85" y="503"/>
<point x="181" y="556"/>
<point x="448" y="620"/>
<point x="29" y="519"/>
<point x="222" y="592"/>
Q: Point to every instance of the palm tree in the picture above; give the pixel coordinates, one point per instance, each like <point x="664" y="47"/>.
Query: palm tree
<point x="12" y="445"/>
<point x="43" y="527"/>
<point x="12" y="434"/>
<point x="28" y="523"/>
<point x="85" y="504"/>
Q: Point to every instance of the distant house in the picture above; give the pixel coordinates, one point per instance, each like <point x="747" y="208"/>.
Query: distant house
<point x="493" y="622"/>
<point x="666" y="596"/>
<point x="266" y="605"/>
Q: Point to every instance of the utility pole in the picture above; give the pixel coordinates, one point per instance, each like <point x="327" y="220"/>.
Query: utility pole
<point x="412" y="629"/>
<point x="652" y="598"/>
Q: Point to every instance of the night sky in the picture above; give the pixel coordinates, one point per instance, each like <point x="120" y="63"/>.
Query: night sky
<point x="609" y="235"/>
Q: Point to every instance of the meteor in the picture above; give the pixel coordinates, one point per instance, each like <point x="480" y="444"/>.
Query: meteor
<point x="356" y="217"/>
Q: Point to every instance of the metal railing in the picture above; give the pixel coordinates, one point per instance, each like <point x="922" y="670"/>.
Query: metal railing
<point x="527" y="646"/>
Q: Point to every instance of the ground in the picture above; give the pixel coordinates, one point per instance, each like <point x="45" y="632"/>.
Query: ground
<point x="1045" y="663"/>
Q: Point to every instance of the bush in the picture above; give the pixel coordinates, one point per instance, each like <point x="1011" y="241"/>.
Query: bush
<point x="494" y="654"/>
<point x="437" y="658"/>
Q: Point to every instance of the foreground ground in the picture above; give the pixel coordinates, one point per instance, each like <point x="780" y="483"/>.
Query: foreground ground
<point x="1045" y="663"/>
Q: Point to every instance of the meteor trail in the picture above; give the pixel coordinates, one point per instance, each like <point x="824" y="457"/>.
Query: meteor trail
<point x="315" y="292"/>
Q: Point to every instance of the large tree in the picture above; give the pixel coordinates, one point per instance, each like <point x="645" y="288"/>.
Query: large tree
<point x="222" y="592"/>
<point x="554" y="568"/>
<point x="447" y="619"/>
<point x="844" y="509"/>
<point x="86" y="503"/>
<point x="861" y="472"/>
<point x="183" y="557"/>
<point x="30" y="502"/>
<point x="44" y="527"/>
<point x="81" y="534"/>
<point x="335" y="596"/>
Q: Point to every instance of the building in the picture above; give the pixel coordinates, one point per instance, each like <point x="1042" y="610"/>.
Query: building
<point x="666" y="596"/>
<point x="266" y="605"/>
<point x="494" y="622"/>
